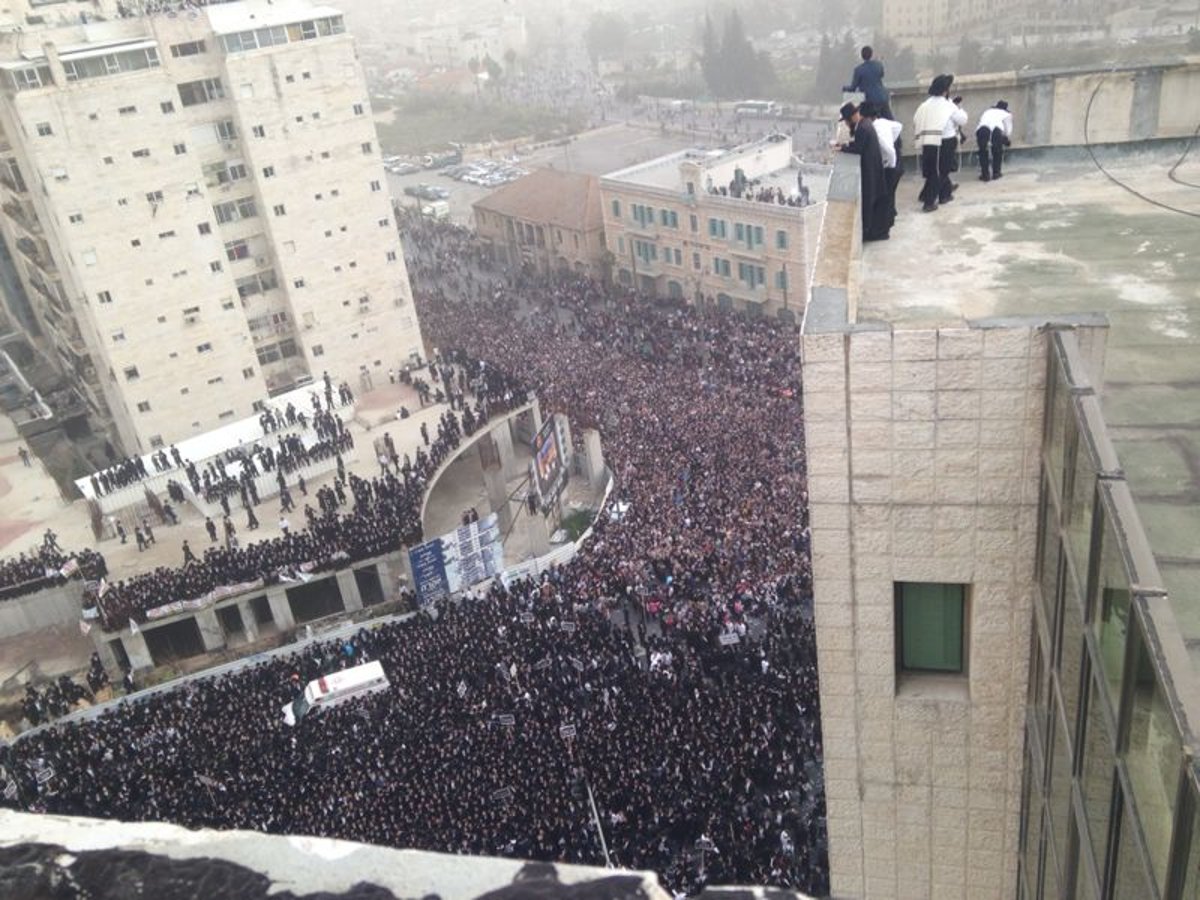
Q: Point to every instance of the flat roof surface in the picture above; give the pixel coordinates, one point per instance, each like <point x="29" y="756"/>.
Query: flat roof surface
<point x="1057" y="236"/>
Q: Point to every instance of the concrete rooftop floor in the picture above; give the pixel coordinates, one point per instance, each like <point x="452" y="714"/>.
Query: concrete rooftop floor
<point x="1057" y="236"/>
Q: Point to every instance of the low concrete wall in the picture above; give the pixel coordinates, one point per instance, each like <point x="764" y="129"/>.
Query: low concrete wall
<point x="56" y="605"/>
<point x="1131" y="103"/>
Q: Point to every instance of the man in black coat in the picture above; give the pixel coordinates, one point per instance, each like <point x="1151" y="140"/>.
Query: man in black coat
<point x="876" y="195"/>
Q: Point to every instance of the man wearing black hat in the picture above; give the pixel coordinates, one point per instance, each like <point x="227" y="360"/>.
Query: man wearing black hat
<point x="876" y="198"/>
<point x="930" y="121"/>
<point x="993" y="135"/>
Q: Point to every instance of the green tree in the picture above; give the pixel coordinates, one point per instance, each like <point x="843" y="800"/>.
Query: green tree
<point x="606" y="35"/>
<point x="732" y="68"/>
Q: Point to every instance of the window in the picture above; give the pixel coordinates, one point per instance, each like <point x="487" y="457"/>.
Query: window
<point x="204" y="228"/>
<point x="226" y="304"/>
<point x="126" y="110"/>
<point x="44" y="129"/>
<point x="220" y="379"/>
<point x="307" y="76"/>
<point x="239" y="249"/>
<point x="163" y="235"/>
<point x="696" y="261"/>
<point x="290" y="79"/>
<point x="226" y="130"/>
<point x="375" y="187"/>
<point x="318" y="350"/>
<point x="189" y="48"/>
<point x="227" y="414"/>
<point x="235" y="210"/>
<point x="215" y="266"/>
<point x="108" y="160"/>
<point x="930" y="621"/>
<point x="154" y="197"/>
<point x="259" y="131"/>
<point x="298" y="282"/>
<point x="131" y="373"/>
<point x="721" y="267"/>
<point x="193" y="93"/>
<point x="781" y="240"/>
<point x="280" y="209"/>
<point x="180" y="149"/>
<point x="156" y="441"/>
<point x="717" y="228"/>
<point x="317" y="114"/>
<point x="167" y="107"/>
<point x="144" y="406"/>
<point x="616" y="208"/>
<point x="358" y="109"/>
<point x="143" y="153"/>
<point x="366" y="147"/>
<point x="391" y="256"/>
<point x="694" y="223"/>
<point x="204" y="348"/>
<point x="104" y="297"/>
<point x="384" y="223"/>
<point x="248" y="373"/>
<point x="781" y="279"/>
<point x="75" y="218"/>
<point x="136" y="242"/>
<point x="268" y="172"/>
<point x="118" y="336"/>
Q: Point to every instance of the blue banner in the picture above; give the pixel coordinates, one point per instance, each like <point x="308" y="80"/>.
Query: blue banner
<point x="428" y="563"/>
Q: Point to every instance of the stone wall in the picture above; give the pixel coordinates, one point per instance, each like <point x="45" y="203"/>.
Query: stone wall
<point x="1131" y="103"/>
<point x="57" y="605"/>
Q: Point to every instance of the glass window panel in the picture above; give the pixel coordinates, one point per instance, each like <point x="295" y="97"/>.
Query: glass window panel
<point x="1059" y="411"/>
<point x="1033" y="844"/>
<point x="1130" y="878"/>
<point x="1191" y="877"/>
<point x="1050" y="878"/>
<point x="931" y="617"/>
<point x="1071" y="648"/>
<point x="1153" y="755"/>
<point x="1051" y="551"/>
<point x="1060" y="791"/>
<point x="1080" y="503"/>
<point x="1112" y="613"/>
<point x="1037" y="676"/>
<point x="1096" y="774"/>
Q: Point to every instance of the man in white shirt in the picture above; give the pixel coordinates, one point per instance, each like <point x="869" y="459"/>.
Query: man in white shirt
<point x="930" y="122"/>
<point x="993" y="135"/>
<point x="948" y="157"/>
<point x="888" y="132"/>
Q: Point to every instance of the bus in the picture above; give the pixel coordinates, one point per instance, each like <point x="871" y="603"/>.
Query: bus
<point x="337" y="687"/>
<point x="757" y="108"/>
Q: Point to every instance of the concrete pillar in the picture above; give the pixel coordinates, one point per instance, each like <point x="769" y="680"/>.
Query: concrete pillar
<point x="249" y="623"/>
<point x="107" y="657"/>
<point x="593" y="457"/>
<point x="281" y="610"/>
<point x="497" y="490"/>
<point x="539" y="534"/>
<point x="211" y="633"/>
<point x="502" y="435"/>
<point x="537" y="415"/>
<point x="348" y="588"/>
<point x="137" y="651"/>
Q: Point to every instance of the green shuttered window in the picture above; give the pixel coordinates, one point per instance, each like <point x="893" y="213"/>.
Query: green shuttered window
<point x="930" y="624"/>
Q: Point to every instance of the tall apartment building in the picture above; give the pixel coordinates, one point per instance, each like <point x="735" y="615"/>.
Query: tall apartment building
<point x="672" y="233"/>
<point x="197" y="208"/>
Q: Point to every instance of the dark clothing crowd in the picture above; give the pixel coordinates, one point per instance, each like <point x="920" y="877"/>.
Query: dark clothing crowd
<point x="668" y="672"/>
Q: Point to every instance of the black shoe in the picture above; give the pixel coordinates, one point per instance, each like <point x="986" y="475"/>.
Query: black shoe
<point x="946" y="199"/>
<point x="985" y="177"/>
<point x="929" y="207"/>
<point x="996" y="176"/>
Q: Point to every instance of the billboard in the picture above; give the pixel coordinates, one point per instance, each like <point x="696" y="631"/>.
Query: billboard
<point x="457" y="560"/>
<point x="549" y="469"/>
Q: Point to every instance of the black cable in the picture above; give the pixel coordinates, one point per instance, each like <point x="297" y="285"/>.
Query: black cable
<point x="1186" y="150"/>
<point x="1087" y="115"/>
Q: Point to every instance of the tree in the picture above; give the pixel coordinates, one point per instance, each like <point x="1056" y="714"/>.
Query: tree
<point x="710" y="58"/>
<point x="970" y="56"/>
<point x="606" y="35"/>
<point x="733" y="68"/>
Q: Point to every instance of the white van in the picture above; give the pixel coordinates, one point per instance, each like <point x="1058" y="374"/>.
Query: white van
<point x="337" y="687"/>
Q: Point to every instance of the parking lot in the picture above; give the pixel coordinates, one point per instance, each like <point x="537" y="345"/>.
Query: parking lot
<point x="596" y="153"/>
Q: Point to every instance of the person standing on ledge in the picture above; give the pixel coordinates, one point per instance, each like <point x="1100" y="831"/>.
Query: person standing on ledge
<point x="993" y="135"/>
<point x="868" y="78"/>
<point x="876" y="198"/>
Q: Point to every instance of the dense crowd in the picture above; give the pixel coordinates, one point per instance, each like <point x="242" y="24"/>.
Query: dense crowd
<point x="687" y="687"/>
<point x="49" y="564"/>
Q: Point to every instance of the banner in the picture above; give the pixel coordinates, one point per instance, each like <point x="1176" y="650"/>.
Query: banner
<point x="429" y="571"/>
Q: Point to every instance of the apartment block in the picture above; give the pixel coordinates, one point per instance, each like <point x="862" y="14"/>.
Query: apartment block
<point x="737" y="228"/>
<point x="197" y="209"/>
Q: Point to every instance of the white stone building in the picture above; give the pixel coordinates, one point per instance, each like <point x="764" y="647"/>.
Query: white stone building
<point x="196" y="207"/>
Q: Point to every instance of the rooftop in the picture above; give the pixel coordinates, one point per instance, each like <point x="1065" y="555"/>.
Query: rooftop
<point x="1056" y="236"/>
<point x="551" y="196"/>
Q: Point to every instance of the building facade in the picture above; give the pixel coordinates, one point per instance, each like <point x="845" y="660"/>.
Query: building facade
<point x="672" y="232"/>
<point x="198" y="210"/>
<point x="549" y="220"/>
<point x="1008" y="688"/>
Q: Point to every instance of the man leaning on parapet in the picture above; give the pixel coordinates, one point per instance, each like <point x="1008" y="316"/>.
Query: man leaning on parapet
<point x="868" y="78"/>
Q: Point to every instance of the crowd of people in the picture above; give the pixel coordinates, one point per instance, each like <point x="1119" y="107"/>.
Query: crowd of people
<point x="501" y="725"/>
<point x="45" y="566"/>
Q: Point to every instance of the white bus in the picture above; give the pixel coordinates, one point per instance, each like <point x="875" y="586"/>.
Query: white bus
<point x="337" y="687"/>
<point x="757" y="108"/>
